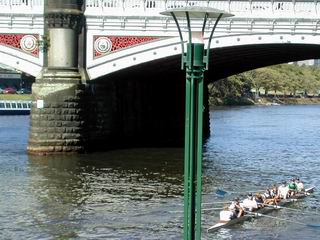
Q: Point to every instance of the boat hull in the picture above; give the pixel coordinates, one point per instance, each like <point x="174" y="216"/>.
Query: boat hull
<point x="15" y="107"/>
<point x="14" y="112"/>
<point x="264" y="210"/>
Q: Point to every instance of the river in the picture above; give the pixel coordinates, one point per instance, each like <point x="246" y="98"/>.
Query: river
<point x="137" y="193"/>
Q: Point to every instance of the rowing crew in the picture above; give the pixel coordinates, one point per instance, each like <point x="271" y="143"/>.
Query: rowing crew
<point x="288" y="190"/>
<point x="272" y="196"/>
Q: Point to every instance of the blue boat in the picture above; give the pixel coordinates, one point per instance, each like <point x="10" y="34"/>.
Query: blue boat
<point x="15" y="107"/>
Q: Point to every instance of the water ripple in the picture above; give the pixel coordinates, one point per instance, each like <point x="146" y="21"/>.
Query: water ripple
<point x="138" y="193"/>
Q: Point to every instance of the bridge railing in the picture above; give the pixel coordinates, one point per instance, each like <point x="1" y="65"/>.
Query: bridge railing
<point x="21" y="7"/>
<point x="250" y="16"/>
<point x="263" y="8"/>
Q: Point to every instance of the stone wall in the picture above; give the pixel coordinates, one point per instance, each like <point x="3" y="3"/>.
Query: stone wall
<point x="60" y="124"/>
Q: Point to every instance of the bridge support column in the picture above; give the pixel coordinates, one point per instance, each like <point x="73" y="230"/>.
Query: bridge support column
<point x="57" y="114"/>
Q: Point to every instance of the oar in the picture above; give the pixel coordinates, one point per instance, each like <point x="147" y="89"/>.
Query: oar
<point x="293" y="209"/>
<point x="283" y="219"/>
<point x="225" y="202"/>
<point x="212" y="203"/>
<point x="209" y="209"/>
<point x="204" y="209"/>
<point x="222" y="193"/>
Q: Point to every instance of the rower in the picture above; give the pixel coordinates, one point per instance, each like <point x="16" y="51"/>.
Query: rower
<point x="292" y="187"/>
<point x="259" y="200"/>
<point x="250" y="203"/>
<point x="271" y="196"/>
<point x="267" y="194"/>
<point x="236" y="208"/>
<point x="283" y="191"/>
<point x="300" y="186"/>
<point x="226" y="215"/>
<point x="274" y="191"/>
<point x="276" y="197"/>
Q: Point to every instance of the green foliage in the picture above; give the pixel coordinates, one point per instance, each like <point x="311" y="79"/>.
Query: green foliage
<point x="284" y="79"/>
<point x="15" y="97"/>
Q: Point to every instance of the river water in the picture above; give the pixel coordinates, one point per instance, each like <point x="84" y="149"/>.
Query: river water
<point x="137" y="193"/>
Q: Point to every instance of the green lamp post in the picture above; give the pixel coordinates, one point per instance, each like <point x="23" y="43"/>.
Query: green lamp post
<point x="196" y="61"/>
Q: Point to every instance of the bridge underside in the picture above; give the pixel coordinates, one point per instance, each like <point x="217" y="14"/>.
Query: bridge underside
<point x="136" y="109"/>
<point x="233" y="60"/>
<point x="228" y="61"/>
<point x="144" y="105"/>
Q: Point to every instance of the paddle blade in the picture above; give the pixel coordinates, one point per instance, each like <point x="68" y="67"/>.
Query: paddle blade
<point x="220" y="192"/>
<point x="313" y="225"/>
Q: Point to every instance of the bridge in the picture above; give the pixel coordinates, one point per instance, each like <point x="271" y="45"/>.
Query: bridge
<point x="124" y="69"/>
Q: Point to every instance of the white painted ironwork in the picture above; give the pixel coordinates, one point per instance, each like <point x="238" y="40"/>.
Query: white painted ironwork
<point x="21" y="6"/>
<point x="250" y="16"/>
<point x="257" y="9"/>
<point x="255" y="22"/>
<point x="22" y="17"/>
<point x="261" y="15"/>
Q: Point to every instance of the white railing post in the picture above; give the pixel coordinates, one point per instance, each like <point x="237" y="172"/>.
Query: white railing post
<point x="266" y="9"/>
<point x="263" y="8"/>
<point x="21" y="6"/>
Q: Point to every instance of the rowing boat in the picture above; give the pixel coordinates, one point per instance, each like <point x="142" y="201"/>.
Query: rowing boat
<point x="264" y="210"/>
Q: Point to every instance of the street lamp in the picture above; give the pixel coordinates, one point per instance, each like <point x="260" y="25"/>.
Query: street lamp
<point x="196" y="61"/>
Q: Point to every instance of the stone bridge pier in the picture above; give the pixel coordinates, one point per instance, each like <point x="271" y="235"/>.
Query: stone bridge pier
<point x="57" y="114"/>
<point x="128" y="108"/>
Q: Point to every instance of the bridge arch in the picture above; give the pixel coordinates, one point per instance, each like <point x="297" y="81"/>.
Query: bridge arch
<point x="20" y="61"/>
<point x="244" y="52"/>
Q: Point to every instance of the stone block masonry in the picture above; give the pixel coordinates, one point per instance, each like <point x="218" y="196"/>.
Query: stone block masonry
<point x="108" y="113"/>
<point x="131" y="108"/>
<point x="60" y="125"/>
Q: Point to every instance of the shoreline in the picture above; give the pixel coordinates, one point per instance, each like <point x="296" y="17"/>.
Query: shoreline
<point x="243" y="101"/>
<point x="287" y="101"/>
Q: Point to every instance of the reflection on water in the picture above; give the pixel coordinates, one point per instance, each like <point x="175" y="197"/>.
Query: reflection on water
<point x="137" y="193"/>
<point x="252" y="148"/>
<point x="113" y="194"/>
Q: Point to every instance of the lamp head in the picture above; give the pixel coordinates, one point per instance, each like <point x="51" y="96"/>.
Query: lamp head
<point x="196" y="36"/>
<point x="197" y="12"/>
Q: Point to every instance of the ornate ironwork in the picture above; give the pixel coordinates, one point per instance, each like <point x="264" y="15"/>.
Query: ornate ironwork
<point x="106" y="44"/>
<point x="23" y="42"/>
<point x="72" y="19"/>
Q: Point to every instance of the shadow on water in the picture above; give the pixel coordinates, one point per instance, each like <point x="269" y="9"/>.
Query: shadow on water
<point x="137" y="193"/>
<point x="124" y="191"/>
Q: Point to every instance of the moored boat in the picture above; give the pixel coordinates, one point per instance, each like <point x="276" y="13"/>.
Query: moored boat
<point x="15" y="107"/>
<point x="264" y="210"/>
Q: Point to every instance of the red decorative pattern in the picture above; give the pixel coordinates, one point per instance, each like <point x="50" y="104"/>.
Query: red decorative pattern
<point x="122" y="42"/>
<point x="14" y="41"/>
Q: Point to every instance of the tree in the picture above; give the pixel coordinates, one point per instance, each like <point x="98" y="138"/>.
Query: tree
<point x="285" y="78"/>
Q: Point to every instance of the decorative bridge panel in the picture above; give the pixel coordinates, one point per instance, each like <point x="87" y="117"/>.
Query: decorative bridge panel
<point x="23" y="42"/>
<point x="21" y="31"/>
<point x="255" y="22"/>
<point x="125" y="33"/>
<point x="108" y="44"/>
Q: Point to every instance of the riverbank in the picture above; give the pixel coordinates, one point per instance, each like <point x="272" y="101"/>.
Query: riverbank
<point x="13" y="97"/>
<point x="243" y="101"/>
<point x="288" y="100"/>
